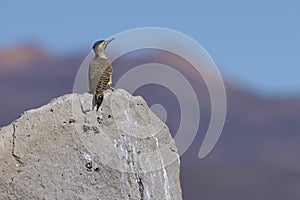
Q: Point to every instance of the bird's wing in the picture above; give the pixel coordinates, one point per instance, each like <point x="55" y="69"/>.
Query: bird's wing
<point x="98" y="73"/>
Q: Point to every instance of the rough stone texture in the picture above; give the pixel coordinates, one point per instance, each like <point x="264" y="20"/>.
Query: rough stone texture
<point x="64" y="150"/>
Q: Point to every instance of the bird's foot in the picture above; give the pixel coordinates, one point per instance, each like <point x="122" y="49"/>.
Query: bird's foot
<point x="111" y="88"/>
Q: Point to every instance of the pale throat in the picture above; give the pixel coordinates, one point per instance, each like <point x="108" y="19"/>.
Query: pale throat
<point x="100" y="54"/>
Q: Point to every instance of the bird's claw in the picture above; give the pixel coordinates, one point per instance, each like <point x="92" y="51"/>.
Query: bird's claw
<point x="111" y="88"/>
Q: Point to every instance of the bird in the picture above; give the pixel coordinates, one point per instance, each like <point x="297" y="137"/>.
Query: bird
<point x="100" y="73"/>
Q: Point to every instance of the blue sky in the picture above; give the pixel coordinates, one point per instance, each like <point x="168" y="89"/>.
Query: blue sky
<point x="256" y="43"/>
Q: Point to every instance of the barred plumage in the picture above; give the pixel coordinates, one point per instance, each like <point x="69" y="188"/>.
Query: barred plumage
<point x="100" y="73"/>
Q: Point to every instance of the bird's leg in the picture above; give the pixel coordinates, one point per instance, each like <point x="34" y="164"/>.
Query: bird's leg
<point x="111" y="88"/>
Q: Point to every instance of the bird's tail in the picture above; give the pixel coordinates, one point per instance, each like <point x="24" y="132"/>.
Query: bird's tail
<point x="97" y="101"/>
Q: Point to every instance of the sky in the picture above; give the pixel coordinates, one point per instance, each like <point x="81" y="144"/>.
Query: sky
<point x="255" y="43"/>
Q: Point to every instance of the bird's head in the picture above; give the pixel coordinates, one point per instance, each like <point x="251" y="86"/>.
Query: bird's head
<point x="100" y="45"/>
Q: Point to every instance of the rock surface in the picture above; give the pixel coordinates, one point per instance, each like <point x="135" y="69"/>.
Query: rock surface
<point x="64" y="150"/>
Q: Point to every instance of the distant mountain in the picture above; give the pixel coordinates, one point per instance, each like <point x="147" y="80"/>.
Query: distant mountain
<point x="257" y="156"/>
<point x="30" y="77"/>
<point x="16" y="57"/>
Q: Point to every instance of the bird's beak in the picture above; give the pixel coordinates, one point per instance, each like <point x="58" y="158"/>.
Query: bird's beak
<point x="108" y="41"/>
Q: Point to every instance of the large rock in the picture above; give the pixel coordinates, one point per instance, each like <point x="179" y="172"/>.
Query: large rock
<point x="64" y="150"/>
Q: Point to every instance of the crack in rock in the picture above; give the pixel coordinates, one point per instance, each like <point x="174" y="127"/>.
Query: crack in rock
<point x="141" y="187"/>
<point x="16" y="157"/>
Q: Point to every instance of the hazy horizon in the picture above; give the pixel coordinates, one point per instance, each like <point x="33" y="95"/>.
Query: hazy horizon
<point x="230" y="78"/>
<point x="255" y="43"/>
